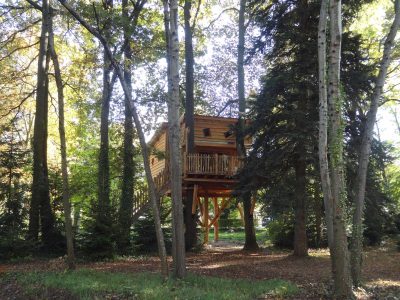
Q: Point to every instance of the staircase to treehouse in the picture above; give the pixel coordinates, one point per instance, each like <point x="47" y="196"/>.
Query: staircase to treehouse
<point x="141" y="199"/>
<point x="195" y="167"/>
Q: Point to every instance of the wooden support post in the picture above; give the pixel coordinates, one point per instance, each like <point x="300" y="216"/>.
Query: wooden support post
<point x="195" y="199"/>
<point x="216" y="213"/>
<point x="201" y="206"/>
<point x="206" y="227"/>
<point x="224" y="204"/>
<point x="240" y="208"/>
<point x="185" y="155"/>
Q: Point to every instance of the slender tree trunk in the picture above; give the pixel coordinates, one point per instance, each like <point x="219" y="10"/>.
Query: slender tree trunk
<point x="40" y="201"/>
<point x="323" y="122"/>
<point x="250" y="233"/>
<point x="178" y="239"/>
<point x="64" y="163"/>
<point x="342" y="278"/>
<point x="10" y="167"/>
<point x="126" y="202"/>
<point x="367" y="136"/>
<point x="190" y="219"/>
<point x="382" y="161"/>
<point x="318" y="215"/>
<point x="145" y="151"/>
<point x="77" y="218"/>
<point x="103" y="162"/>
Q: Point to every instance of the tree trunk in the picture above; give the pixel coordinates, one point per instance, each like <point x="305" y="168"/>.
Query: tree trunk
<point x="250" y="242"/>
<point x="190" y="219"/>
<point x="64" y="163"/>
<point x="318" y="215"/>
<point x="178" y="239"/>
<point x="342" y="278"/>
<point x="300" y="235"/>
<point x="40" y="201"/>
<point x="250" y="233"/>
<point x="367" y="136"/>
<point x="77" y="218"/>
<point x="126" y="202"/>
<point x="103" y="163"/>
<point x="145" y="151"/>
<point x="323" y="122"/>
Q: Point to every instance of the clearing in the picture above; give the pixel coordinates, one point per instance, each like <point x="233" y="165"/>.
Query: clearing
<point x="221" y="271"/>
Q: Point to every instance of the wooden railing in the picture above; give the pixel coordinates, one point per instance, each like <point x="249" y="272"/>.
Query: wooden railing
<point x="211" y="164"/>
<point x="161" y="179"/>
<point x="140" y="198"/>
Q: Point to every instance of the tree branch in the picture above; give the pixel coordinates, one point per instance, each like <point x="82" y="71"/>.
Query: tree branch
<point x="219" y="16"/>
<point x="34" y="4"/>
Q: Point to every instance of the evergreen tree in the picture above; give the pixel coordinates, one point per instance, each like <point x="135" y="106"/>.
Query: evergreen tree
<point x="285" y="113"/>
<point x="13" y="189"/>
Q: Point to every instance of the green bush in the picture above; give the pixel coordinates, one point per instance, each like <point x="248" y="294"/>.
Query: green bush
<point x="281" y="232"/>
<point x="97" y="239"/>
<point x="12" y="247"/>
<point x="144" y="235"/>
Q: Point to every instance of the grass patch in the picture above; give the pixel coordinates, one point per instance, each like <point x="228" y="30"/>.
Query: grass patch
<point x="238" y="236"/>
<point x="90" y="284"/>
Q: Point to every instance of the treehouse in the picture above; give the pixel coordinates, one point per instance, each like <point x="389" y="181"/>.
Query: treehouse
<point x="208" y="172"/>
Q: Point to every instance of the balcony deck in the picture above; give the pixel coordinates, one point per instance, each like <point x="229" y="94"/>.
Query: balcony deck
<point x="212" y="168"/>
<point x="211" y="165"/>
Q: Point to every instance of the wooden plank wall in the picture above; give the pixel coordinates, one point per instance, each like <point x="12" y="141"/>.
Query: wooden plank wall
<point x="156" y="164"/>
<point x="218" y="127"/>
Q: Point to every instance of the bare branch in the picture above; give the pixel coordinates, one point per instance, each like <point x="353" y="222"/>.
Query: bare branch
<point x="196" y="15"/>
<point x="219" y="16"/>
<point x="12" y="36"/>
<point x="18" y="107"/>
<point x="17" y="49"/>
<point x="34" y="4"/>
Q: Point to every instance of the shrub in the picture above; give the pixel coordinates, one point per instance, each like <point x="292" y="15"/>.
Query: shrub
<point x="144" y="235"/>
<point x="281" y="232"/>
<point x="97" y="240"/>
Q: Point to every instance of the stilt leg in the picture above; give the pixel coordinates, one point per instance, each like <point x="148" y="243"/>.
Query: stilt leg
<point x="206" y="227"/>
<point x="216" y="225"/>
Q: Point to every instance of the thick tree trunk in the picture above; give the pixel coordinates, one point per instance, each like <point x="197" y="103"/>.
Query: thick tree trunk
<point x="40" y="201"/>
<point x="250" y="242"/>
<point x="178" y="239"/>
<point x="300" y="235"/>
<point x="367" y="136"/>
<point x="145" y="151"/>
<point x="342" y="278"/>
<point x="190" y="219"/>
<point x="126" y="202"/>
<point x="250" y="238"/>
<point x="63" y="146"/>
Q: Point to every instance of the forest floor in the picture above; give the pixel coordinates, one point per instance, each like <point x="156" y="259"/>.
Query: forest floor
<point x="381" y="271"/>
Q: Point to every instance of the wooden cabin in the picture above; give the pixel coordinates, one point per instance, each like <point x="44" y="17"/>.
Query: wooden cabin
<point x="209" y="172"/>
